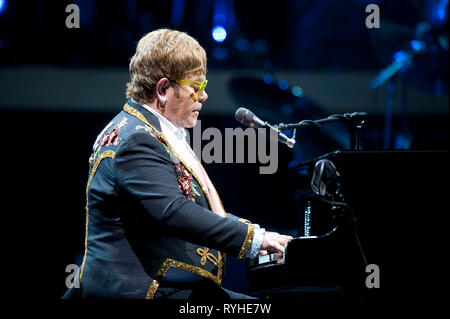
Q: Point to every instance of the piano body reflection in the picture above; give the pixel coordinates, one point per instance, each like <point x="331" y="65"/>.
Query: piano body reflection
<point x="395" y="197"/>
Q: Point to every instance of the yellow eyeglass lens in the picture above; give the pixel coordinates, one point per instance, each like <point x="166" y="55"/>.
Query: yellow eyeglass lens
<point x="198" y="86"/>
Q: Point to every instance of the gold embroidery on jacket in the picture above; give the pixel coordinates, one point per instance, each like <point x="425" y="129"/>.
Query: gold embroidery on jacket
<point x="102" y="156"/>
<point x="186" y="267"/>
<point x="206" y="255"/>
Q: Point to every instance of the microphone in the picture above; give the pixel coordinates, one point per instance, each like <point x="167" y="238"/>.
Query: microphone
<point x="325" y="179"/>
<point x="247" y="117"/>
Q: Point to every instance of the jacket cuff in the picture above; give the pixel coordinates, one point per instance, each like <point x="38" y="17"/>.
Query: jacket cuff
<point x="245" y="221"/>
<point x="258" y="239"/>
<point x="247" y="241"/>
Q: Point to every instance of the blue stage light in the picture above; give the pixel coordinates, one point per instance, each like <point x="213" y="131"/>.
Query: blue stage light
<point x="400" y="56"/>
<point x="219" y="33"/>
<point x="283" y="84"/>
<point x="2" y="6"/>
<point x="417" y="45"/>
<point x="219" y="19"/>
<point x="440" y="11"/>
<point x="176" y="18"/>
<point x="402" y="142"/>
<point x="268" y="78"/>
<point x="297" y="91"/>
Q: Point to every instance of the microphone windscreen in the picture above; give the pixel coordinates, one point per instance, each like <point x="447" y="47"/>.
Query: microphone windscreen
<point x="244" y="116"/>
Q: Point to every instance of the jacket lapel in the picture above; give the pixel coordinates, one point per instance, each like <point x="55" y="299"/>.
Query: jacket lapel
<point x="148" y="118"/>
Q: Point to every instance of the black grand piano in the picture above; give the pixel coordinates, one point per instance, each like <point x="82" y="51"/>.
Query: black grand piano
<point x="392" y="224"/>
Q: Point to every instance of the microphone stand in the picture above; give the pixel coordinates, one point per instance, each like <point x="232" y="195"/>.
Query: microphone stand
<point x="356" y="120"/>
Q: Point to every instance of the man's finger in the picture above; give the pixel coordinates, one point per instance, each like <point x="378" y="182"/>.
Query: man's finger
<point x="263" y="252"/>
<point x="278" y="247"/>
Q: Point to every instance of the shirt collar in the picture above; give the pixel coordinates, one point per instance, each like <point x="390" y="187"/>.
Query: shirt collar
<point x="179" y="132"/>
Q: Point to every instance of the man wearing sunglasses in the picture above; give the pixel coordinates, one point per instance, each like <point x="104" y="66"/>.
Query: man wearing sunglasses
<point x="155" y="225"/>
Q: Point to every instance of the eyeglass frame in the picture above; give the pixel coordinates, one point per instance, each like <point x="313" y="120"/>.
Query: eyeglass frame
<point x="200" y="84"/>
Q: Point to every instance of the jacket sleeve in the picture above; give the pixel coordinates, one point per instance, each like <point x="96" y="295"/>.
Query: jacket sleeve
<point x="145" y="173"/>
<point x="242" y="220"/>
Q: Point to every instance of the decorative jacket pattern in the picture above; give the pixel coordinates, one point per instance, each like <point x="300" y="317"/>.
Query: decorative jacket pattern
<point x="148" y="218"/>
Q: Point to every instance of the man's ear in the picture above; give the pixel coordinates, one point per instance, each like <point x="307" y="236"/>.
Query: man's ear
<point x="161" y="93"/>
<point x="161" y="88"/>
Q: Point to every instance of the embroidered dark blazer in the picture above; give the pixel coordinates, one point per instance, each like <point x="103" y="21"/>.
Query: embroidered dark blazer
<point x="147" y="215"/>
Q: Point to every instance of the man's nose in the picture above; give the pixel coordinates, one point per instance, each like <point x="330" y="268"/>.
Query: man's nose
<point x="203" y="96"/>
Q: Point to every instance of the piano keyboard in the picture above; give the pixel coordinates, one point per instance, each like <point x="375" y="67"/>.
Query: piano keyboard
<point x="267" y="260"/>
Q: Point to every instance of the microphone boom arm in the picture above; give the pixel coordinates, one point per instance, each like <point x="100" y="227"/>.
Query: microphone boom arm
<point x="356" y="119"/>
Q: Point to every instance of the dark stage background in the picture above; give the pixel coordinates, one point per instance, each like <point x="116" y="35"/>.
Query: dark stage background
<point x="287" y="62"/>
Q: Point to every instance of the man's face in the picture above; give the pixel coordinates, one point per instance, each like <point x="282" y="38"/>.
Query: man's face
<point x="181" y="107"/>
